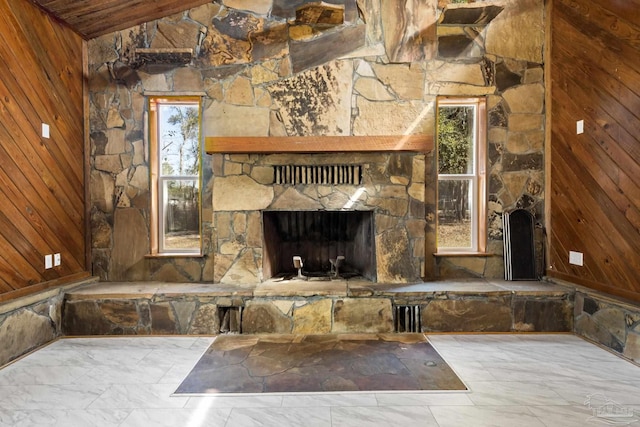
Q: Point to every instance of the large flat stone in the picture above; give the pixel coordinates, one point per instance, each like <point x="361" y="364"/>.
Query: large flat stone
<point x="123" y="313"/>
<point x="316" y="102"/>
<point x="162" y="319"/>
<point x="84" y="318"/>
<point x="585" y="326"/>
<point x="22" y="331"/>
<point x="222" y="119"/>
<point x="612" y="319"/>
<point x="518" y="32"/>
<point x="306" y="54"/>
<point x="405" y="80"/>
<point x="409" y="29"/>
<point x="130" y="242"/>
<point x="240" y="193"/>
<point x="467" y="315"/>
<point x="393" y="254"/>
<point x="313" y="317"/>
<point x="543" y="315"/>
<point x="525" y="99"/>
<point x="365" y="315"/>
<point x="182" y="34"/>
<point x="265" y="317"/>
<point x="393" y="118"/>
<point x="205" y="320"/>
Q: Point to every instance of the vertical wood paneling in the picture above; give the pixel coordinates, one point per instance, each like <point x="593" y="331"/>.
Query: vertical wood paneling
<point x="594" y="200"/>
<point x="42" y="183"/>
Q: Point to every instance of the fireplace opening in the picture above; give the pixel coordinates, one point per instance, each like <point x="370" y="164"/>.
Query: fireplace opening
<point x="318" y="244"/>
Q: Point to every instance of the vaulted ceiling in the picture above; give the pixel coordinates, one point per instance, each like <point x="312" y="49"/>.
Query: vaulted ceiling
<point x="93" y="18"/>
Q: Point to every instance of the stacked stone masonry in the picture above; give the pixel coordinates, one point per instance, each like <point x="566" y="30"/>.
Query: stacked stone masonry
<point x="610" y="322"/>
<point x="255" y="79"/>
<point x="30" y="322"/>
<point x="360" y="311"/>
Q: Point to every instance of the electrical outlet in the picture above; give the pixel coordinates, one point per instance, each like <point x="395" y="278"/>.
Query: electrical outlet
<point x="48" y="261"/>
<point x="57" y="260"/>
<point x="580" y="127"/>
<point x="576" y="258"/>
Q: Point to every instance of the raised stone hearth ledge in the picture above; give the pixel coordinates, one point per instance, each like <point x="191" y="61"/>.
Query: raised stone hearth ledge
<point x="318" y="144"/>
<point x="609" y="321"/>
<point x="317" y="307"/>
<point x="34" y="320"/>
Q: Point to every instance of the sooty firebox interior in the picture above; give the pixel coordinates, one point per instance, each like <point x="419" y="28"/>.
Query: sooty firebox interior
<point x="319" y="238"/>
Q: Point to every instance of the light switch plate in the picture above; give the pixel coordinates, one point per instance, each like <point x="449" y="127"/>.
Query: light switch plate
<point x="45" y="130"/>
<point x="48" y="261"/>
<point x="57" y="260"/>
<point x="580" y="127"/>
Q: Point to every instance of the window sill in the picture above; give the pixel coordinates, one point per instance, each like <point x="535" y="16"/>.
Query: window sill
<point x="174" y="255"/>
<point x="463" y="254"/>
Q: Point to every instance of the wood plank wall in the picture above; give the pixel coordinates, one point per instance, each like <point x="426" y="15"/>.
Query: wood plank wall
<point x="94" y="18"/>
<point x="595" y="176"/>
<point x="42" y="184"/>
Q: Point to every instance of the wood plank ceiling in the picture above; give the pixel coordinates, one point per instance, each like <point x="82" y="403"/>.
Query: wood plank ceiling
<point x="94" y="18"/>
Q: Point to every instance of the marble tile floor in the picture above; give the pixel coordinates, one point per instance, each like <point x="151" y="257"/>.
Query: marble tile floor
<point x="515" y="380"/>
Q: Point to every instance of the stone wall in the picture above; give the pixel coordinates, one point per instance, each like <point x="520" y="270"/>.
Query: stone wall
<point x="30" y="322"/>
<point x="261" y="75"/>
<point x="608" y="321"/>
<point x="158" y="315"/>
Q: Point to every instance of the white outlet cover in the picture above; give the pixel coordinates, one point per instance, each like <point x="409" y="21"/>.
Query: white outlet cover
<point x="57" y="260"/>
<point x="45" y="131"/>
<point x="48" y="261"/>
<point x="576" y="258"/>
<point x="580" y="127"/>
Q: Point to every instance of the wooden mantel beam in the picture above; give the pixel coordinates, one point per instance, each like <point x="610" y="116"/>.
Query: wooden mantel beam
<point x="317" y="144"/>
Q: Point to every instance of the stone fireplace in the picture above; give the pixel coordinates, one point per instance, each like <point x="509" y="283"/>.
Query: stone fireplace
<point x="330" y="244"/>
<point x="368" y="207"/>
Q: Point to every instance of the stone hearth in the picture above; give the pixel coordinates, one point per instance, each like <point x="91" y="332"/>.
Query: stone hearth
<point x="316" y="307"/>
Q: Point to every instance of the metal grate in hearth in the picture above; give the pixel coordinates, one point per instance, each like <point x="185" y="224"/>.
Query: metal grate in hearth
<point x="318" y="174"/>
<point x="230" y="319"/>
<point x="407" y="318"/>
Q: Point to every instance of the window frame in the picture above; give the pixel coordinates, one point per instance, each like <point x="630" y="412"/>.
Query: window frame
<point x="157" y="216"/>
<point x="478" y="178"/>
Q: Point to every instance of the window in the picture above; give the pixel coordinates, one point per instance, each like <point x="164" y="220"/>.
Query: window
<point x="175" y="175"/>
<point x="461" y="175"/>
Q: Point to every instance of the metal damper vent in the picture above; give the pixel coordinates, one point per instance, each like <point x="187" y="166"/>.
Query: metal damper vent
<point x="407" y="318"/>
<point x="325" y="174"/>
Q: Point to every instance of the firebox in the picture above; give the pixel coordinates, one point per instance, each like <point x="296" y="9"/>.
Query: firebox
<point x="329" y="244"/>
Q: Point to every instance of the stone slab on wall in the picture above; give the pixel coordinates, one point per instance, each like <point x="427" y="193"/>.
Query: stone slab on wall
<point x="179" y="315"/>
<point x="505" y="313"/>
<point x="609" y="322"/>
<point x="468" y="315"/>
<point x="542" y="315"/>
<point x="29" y="328"/>
<point x="31" y="322"/>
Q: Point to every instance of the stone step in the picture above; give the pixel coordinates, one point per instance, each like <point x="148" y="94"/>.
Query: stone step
<point x="317" y="307"/>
